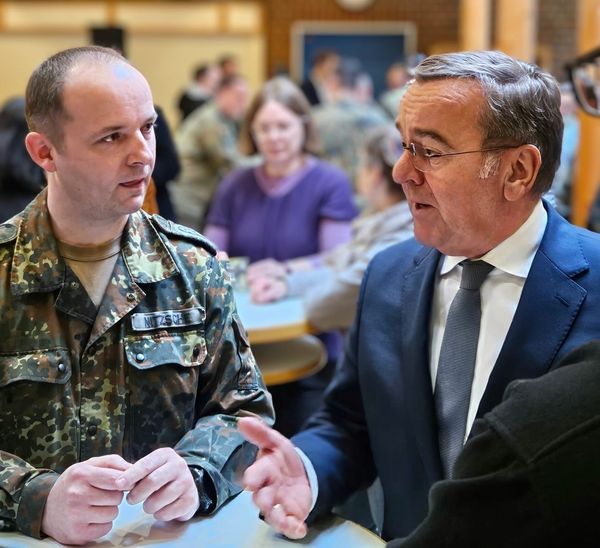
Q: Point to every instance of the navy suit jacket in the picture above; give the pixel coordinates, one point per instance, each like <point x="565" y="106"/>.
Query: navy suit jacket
<point x="378" y="417"/>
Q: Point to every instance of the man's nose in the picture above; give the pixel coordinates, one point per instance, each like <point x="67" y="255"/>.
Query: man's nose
<point x="143" y="149"/>
<point x="405" y="172"/>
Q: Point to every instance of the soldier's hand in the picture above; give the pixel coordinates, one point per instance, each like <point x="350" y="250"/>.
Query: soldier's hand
<point x="277" y="479"/>
<point x="164" y="482"/>
<point x="84" y="501"/>
<point x="267" y="289"/>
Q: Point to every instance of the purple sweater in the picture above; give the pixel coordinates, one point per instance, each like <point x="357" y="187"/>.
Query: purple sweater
<point x="283" y="226"/>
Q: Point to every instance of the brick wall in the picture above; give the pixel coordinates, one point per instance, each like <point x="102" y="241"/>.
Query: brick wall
<point x="436" y="21"/>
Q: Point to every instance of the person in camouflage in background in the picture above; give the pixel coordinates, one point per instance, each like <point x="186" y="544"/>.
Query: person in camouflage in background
<point x="207" y="146"/>
<point x="343" y="122"/>
<point x="123" y="363"/>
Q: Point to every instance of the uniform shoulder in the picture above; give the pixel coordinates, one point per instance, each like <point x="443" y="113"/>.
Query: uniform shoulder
<point x="172" y="229"/>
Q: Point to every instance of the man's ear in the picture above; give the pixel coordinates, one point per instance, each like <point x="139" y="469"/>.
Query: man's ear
<point x="523" y="170"/>
<point x="41" y="150"/>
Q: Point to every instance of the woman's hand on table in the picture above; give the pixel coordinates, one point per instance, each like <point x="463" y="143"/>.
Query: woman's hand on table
<point x="267" y="289"/>
<point x="266" y="267"/>
<point x="277" y="479"/>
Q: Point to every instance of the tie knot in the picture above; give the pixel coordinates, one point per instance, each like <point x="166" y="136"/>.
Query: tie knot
<point x="474" y="274"/>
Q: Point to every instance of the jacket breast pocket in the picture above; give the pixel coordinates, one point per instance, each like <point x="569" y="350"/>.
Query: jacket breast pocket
<point x="163" y="380"/>
<point x="37" y="412"/>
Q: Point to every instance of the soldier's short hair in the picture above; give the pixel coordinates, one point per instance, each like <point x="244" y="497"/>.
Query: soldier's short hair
<point x="283" y="91"/>
<point x="44" y="107"/>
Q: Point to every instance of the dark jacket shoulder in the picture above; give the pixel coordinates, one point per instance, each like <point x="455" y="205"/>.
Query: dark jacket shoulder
<point x="540" y="413"/>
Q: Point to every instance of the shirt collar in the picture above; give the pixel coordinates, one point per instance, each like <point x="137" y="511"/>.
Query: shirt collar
<point x="515" y="254"/>
<point x="38" y="267"/>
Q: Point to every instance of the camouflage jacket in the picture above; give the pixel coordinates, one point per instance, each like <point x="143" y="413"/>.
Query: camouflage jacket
<point x="342" y="127"/>
<point x="163" y="361"/>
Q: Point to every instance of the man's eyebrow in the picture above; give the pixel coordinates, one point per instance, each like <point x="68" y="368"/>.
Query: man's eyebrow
<point x="431" y="134"/>
<point x="422" y="133"/>
<point x="113" y="129"/>
<point x="108" y="129"/>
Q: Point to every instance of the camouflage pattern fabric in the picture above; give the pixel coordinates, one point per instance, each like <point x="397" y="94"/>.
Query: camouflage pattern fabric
<point x="207" y="147"/>
<point x="164" y="361"/>
<point x="342" y="127"/>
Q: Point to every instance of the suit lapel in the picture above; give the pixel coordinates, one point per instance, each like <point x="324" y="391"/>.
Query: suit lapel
<point x="548" y="307"/>
<point x="414" y="351"/>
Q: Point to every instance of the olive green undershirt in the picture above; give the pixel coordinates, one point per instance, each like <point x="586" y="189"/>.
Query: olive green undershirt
<point x="92" y="264"/>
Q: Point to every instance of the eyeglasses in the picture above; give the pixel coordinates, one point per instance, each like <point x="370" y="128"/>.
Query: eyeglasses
<point x="425" y="159"/>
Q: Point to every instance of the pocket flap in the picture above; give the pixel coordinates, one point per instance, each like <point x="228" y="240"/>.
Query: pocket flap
<point x="51" y="365"/>
<point x="187" y="349"/>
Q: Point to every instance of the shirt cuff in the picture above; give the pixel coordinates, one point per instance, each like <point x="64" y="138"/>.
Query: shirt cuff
<point x="32" y="504"/>
<point x="311" y="475"/>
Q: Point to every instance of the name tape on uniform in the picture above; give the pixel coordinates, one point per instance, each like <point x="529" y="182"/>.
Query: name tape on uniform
<point x="167" y="318"/>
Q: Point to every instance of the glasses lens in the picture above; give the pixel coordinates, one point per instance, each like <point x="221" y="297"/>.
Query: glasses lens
<point x="419" y="159"/>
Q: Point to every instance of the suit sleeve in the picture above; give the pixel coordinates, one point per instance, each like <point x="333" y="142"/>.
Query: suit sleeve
<point x="336" y="439"/>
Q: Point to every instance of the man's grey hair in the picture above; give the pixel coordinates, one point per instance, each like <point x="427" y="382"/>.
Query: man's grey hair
<point x="44" y="107"/>
<point x="523" y="102"/>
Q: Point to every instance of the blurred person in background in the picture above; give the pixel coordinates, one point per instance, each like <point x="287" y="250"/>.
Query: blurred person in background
<point x="228" y="65"/>
<point x="343" y="122"/>
<point x="200" y="90"/>
<point x="21" y="178"/>
<point x="563" y="180"/>
<point x="208" y="150"/>
<point x="396" y="77"/>
<point x="315" y="85"/>
<point x="292" y="205"/>
<point x="166" y="167"/>
<point x="329" y="284"/>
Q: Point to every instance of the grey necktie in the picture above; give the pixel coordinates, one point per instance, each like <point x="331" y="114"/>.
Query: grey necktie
<point x="457" y="362"/>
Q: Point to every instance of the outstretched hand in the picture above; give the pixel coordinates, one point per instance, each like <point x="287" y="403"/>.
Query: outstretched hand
<point x="277" y="479"/>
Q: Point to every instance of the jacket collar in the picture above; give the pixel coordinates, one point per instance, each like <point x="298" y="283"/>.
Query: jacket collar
<point x="38" y="267"/>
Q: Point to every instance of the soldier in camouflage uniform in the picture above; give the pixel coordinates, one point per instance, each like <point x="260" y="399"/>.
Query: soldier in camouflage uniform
<point x="140" y="390"/>
<point x="343" y="123"/>
<point x="207" y="146"/>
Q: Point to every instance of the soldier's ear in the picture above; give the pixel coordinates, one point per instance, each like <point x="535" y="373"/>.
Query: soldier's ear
<point x="41" y="150"/>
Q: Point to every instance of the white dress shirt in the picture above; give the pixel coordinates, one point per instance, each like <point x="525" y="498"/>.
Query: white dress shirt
<point x="500" y="294"/>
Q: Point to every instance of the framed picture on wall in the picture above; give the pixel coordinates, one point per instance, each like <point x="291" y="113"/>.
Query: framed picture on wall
<point x="376" y="44"/>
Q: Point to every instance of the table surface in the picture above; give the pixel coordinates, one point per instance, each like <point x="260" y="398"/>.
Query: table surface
<point x="272" y="322"/>
<point x="236" y="525"/>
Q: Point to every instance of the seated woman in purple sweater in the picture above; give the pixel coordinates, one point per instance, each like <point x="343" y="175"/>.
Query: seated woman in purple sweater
<point x="292" y="205"/>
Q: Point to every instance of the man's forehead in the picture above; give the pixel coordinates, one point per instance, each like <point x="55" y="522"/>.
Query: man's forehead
<point x="439" y="98"/>
<point x="118" y="71"/>
<point x="111" y="91"/>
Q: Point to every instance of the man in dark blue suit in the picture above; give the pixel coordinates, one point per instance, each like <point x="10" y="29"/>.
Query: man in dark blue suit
<point x="483" y="134"/>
